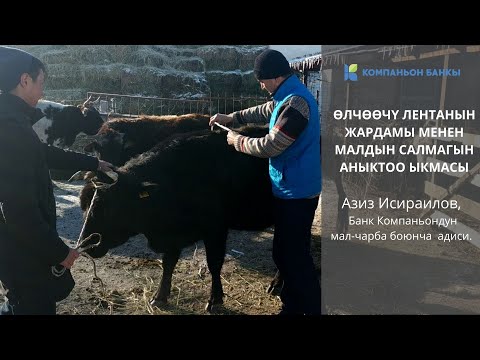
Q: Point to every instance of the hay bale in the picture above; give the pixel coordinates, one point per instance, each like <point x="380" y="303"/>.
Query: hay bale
<point x="151" y="70"/>
<point x="219" y="58"/>
<point x="228" y="58"/>
<point x="233" y="82"/>
<point x="146" y="56"/>
<point x="192" y="64"/>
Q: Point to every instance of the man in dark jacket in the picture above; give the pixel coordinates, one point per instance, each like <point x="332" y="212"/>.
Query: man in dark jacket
<point x="29" y="242"/>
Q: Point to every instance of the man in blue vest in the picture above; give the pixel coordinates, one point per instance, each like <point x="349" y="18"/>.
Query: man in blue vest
<point x="293" y="147"/>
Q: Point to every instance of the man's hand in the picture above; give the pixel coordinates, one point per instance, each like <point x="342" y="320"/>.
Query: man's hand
<point x="70" y="259"/>
<point x="105" y="166"/>
<point x="221" y="119"/>
<point x="231" y="137"/>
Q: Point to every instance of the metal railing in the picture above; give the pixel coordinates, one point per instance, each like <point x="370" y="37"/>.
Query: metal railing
<point x="132" y="105"/>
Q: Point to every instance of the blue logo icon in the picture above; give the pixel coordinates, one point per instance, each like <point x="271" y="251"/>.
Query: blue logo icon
<point x="350" y="72"/>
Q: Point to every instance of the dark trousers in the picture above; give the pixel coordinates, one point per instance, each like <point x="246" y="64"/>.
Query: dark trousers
<point x="30" y="301"/>
<point x="34" y="307"/>
<point x="291" y="253"/>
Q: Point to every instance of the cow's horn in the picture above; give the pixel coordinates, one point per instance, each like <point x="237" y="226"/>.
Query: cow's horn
<point x="87" y="101"/>
<point x="77" y="176"/>
<point x="112" y="175"/>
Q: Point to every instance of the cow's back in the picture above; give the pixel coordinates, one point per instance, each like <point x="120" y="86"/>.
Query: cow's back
<point x="143" y="133"/>
<point x="156" y="128"/>
<point x="203" y="178"/>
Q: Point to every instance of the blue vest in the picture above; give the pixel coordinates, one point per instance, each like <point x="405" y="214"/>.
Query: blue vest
<point x="296" y="173"/>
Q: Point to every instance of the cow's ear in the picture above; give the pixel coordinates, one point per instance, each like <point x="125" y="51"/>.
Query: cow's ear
<point x="102" y="177"/>
<point x="146" y="189"/>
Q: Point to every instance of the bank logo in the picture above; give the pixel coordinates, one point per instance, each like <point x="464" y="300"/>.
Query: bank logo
<point x="350" y="72"/>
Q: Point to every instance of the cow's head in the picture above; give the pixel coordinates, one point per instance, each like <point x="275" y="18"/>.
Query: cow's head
<point x="67" y="124"/>
<point x="92" y="121"/>
<point x="113" y="209"/>
<point x="62" y="123"/>
<point x="110" y="146"/>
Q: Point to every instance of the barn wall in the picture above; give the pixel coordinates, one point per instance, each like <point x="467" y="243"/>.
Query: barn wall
<point x="313" y="84"/>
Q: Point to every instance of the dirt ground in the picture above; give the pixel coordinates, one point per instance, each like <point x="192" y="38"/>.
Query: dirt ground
<point x="131" y="272"/>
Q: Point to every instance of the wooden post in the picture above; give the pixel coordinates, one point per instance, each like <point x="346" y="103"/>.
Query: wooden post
<point x="444" y="82"/>
<point x="441" y="105"/>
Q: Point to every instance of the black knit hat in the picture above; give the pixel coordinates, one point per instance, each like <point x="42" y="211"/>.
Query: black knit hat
<point x="271" y="64"/>
<point x="13" y="63"/>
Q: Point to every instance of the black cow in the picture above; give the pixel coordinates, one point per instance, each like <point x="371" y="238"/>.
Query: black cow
<point x="118" y="140"/>
<point x="189" y="187"/>
<point x="62" y="123"/>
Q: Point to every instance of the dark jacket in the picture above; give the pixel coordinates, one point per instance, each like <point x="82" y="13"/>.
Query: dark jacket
<point x="29" y="242"/>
